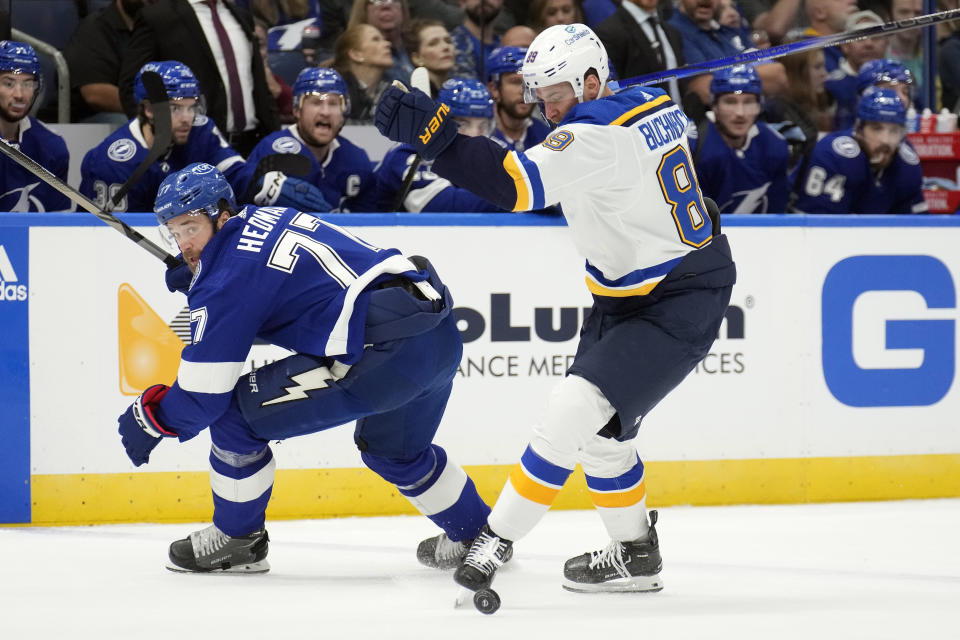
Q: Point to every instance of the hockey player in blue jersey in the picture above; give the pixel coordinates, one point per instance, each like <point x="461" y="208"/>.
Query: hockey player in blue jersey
<point x="741" y="162"/>
<point x="341" y="174"/>
<point x="660" y="273"/>
<point x="472" y="108"/>
<point x="106" y="167"/>
<point x="20" y="190"/>
<point x="870" y="168"/>
<point x="887" y="73"/>
<point x="515" y="127"/>
<point x="375" y="340"/>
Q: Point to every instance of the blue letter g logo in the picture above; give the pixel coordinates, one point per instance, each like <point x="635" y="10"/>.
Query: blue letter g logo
<point x="857" y="385"/>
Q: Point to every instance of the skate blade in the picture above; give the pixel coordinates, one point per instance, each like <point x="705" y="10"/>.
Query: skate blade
<point x="635" y="584"/>
<point x="249" y="568"/>
<point x="464" y="596"/>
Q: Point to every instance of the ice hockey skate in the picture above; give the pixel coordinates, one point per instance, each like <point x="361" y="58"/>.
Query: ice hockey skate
<point x="211" y="550"/>
<point x="440" y="552"/>
<point x="487" y="554"/>
<point x="621" y="566"/>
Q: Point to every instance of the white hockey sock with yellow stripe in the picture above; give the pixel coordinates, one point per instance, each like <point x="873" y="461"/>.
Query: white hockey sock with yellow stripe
<point x="527" y="496"/>
<point x="621" y="501"/>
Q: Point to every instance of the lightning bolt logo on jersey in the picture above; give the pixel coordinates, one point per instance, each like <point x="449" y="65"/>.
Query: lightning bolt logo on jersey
<point x="20" y="190"/>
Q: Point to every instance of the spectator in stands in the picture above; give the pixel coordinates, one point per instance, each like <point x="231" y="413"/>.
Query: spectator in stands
<point x="429" y="45"/>
<point x="476" y="38"/>
<point x="341" y="175"/>
<point x="282" y="92"/>
<point x="448" y="12"/>
<point x="775" y="18"/>
<point x="705" y="39"/>
<point x="841" y="83"/>
<point x="906" y="46"/>
<point x="472" y="107"/>
<point x="362" y="57"/>
<point x="94" y="55"/>
<point x="280" y="12"/>
<point x="389" y="17"/>
<point x="20" y="190"/>
<point x="336" y="15"/>
<point x="870" y="168"/>
<point x="215" y="39"/>
<point x="741" y="163"/>
<point x="515" y="127"/>
<point x="638" y="41"/>
<point x="827" y="17"/>
<point x="518" y="36"/>
<point x="195" y="138"/>
<point x="546" y="13"/>
<point x="806" y="102"/>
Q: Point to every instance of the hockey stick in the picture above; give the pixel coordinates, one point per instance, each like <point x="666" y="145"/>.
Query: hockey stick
<point x="162" y="134"/>
<point x="819" y="42"/>
<point x="291" y="164"/>
<point x="27" y="163"/>
<point x="419" y="79"/>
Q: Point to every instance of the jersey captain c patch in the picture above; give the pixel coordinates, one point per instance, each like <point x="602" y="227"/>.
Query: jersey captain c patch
<point x="558" y="140"/>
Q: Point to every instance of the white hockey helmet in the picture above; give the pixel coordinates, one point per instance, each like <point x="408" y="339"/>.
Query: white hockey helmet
<point x="563" y="53"/>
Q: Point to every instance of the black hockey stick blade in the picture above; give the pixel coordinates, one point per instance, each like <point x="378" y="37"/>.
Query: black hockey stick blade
<point x="291" y="164"/>
<point x="27" y="163"/>
<point x="771" y="53"/>
<point x="162" y="133"/>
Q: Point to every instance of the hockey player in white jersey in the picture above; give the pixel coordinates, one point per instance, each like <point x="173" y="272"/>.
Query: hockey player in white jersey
<point x="658" y="268"/>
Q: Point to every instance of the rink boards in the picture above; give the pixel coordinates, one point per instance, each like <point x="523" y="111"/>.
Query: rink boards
<point x="833" y="378"/>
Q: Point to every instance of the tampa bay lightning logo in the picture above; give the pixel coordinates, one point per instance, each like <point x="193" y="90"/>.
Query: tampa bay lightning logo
<point x="908" y="155"/>
<point x="286" y="144"/>
<point x="20" y="199"/>
<point x="122" y="150"/>
<point x="845" y="147"/>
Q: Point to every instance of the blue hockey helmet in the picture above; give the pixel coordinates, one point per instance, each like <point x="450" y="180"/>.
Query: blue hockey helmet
<point x="177" y="77"/>
<point x="18" y="57"/>
<point x="198" y="186"/>
<point x="505" y="60"/>
<point x="739" y="78"/>
<point x="883" y="70"/>
<point x="882" y="105"/>
<point x="319" y="80"/>
<point x="466" y="98"/>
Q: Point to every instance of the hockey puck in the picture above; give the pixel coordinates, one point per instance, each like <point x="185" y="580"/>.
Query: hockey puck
<point x="486" y="601"/>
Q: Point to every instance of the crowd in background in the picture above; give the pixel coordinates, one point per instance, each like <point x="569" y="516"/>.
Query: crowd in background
<point x="248" y="56"/>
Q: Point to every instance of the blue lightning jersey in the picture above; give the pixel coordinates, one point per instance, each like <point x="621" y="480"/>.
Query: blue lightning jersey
<point x="751" y="179"/>
<point x="535" y="133"/>
<point x="345" y="177"/>
<point x="286" y="277"/>
<point x="108" y="165"/>
<point x="839" y="180"/>
<point x="428" y="191"/>
<point x="20" y="190"/>
<point x="842" y="85"/>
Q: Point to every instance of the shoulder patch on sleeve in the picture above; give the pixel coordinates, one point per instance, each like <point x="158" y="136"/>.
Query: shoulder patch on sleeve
<point x="122" y="150"/>
<point x="199" y="120"/>
<point x="908" y="155"/>
<point x="558" y="140"/>
<point x="286" y="144"/>
<point x="845" y="147"/>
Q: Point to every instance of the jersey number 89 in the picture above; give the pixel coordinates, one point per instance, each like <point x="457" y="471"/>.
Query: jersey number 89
<point x="678" y="183"/>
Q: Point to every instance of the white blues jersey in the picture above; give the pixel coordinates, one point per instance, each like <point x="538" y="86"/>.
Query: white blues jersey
<point x="620" y="168"/>
<point x="345" y="177"/>
<point x="106" y="167"/>
<point x="839" y="180"/>
<point x="285" y="277"/>
<point x="751" y="179"/>
<point x="20" y="190"/>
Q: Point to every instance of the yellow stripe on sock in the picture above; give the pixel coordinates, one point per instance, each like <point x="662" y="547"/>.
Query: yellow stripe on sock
<point x="531" y="489"/>
<point x="620" y="498"/>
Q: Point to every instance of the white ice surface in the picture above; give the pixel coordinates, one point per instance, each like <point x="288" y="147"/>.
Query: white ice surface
<point x="867" y="570"/>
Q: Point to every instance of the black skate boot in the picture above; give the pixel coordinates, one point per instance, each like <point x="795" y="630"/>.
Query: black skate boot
<point x="212" y="550"/>
<point x="440" y="552"/>
<point x="487" y="554"/>
<point x="621" y="566"/>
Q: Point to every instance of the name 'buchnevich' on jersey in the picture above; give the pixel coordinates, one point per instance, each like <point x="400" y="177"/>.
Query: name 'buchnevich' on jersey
<point x="251" y="239"/>
<point x="663" y="128"/>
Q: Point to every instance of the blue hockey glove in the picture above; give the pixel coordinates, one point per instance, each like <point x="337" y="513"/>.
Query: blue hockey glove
<point x="179" y="278"/>
<point x="287" y="191"/>
<point x="140" y="431"/>
<point x="416" y="119"/>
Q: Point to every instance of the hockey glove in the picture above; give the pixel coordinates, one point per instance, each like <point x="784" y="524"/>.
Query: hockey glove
<point x="287" y="191"/>
<point x="140" y="431"/>
<point x="179" y="278"/>
<point x="416" y="119"/>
